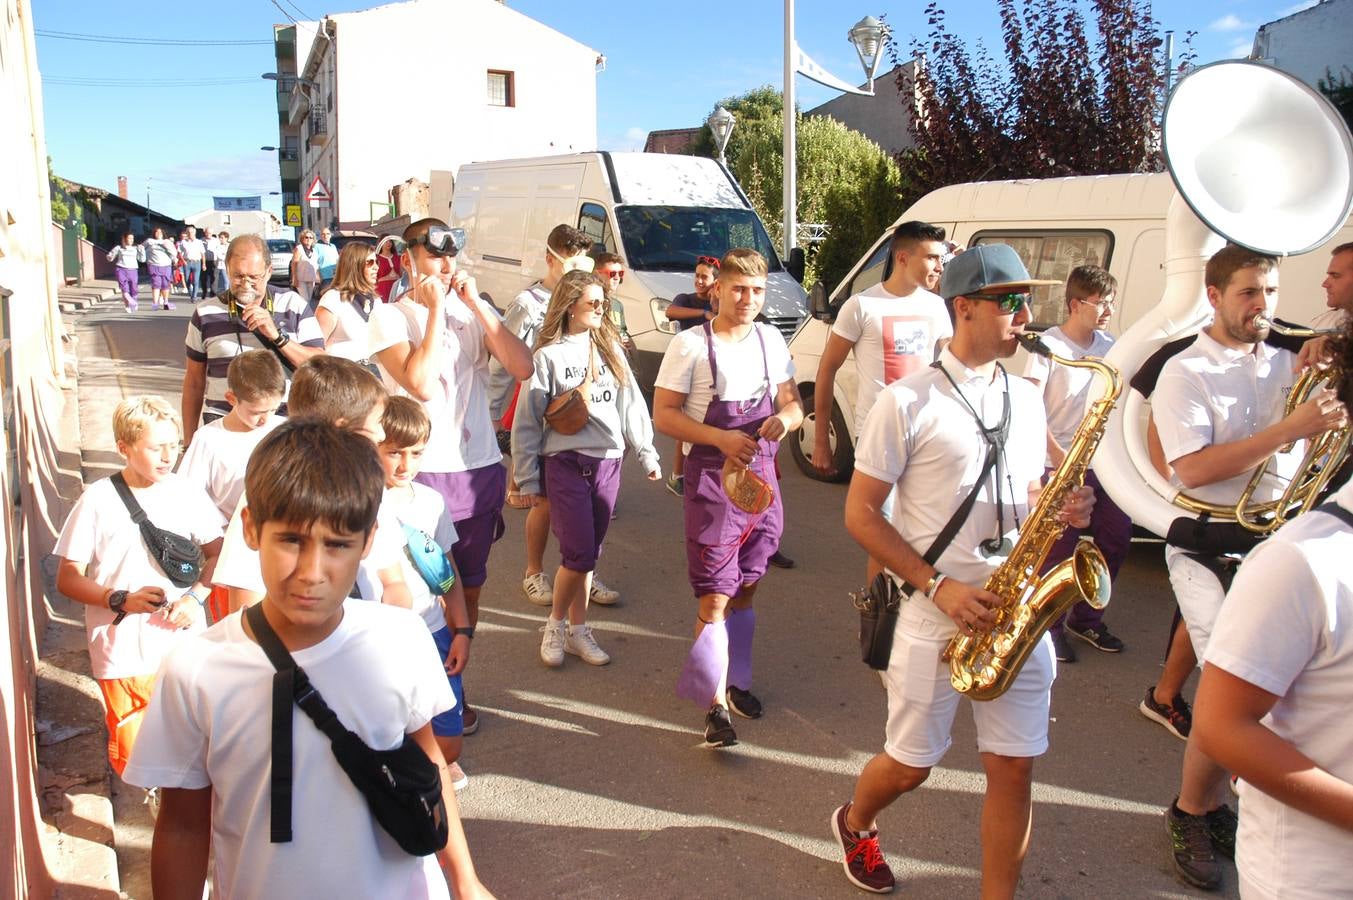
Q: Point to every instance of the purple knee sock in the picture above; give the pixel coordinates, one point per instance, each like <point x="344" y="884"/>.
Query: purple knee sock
<point x="741" y="626"/>
<point x="705" y="665"/>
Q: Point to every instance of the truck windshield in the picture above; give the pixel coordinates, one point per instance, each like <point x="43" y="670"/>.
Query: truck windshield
<point x="671" y="238"/>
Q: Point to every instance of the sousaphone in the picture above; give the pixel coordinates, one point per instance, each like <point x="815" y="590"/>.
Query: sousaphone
<point x="1261" y="159"/>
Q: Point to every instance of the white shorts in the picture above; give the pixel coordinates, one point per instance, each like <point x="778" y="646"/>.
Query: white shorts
<point x="1199" y="595"/>
<point x="922" y="702"/>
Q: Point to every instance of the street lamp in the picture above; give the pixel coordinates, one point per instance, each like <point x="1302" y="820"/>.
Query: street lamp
<point x="721" y="123"/>
<point x="868" y="36"/>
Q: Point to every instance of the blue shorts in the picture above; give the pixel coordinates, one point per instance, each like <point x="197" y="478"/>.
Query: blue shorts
<point x="450" y="723"/>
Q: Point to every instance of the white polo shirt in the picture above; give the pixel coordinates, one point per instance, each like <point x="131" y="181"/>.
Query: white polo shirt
<point x="1286" y="628"/>
<point x="894" y="335"/>
<point x="921" y="436"/>
<point x="463" y="437"/>
<point x="1067" y="390"/>
<point x="1209" y="394"/>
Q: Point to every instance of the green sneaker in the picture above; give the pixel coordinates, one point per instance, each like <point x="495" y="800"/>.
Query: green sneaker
<point x="1191" y="851"/>
<point x="1221" y="828"/>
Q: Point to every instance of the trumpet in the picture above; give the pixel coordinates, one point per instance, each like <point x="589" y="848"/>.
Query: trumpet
<point x="1262" y="322"/>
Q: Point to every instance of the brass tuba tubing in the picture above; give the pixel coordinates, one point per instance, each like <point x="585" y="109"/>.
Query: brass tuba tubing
<point x="1262" y="321"/>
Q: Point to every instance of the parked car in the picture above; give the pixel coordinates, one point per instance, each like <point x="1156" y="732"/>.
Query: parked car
<point x="280" y="249"/>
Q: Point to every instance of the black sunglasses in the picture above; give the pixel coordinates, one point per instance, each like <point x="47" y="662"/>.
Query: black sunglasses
<point x="441" y="241"/>
<point x="1009" y="302"/>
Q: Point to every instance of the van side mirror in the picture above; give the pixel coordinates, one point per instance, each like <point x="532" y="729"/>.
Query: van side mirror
<point x="796" y="264"/>
<point x="817" y="302"/>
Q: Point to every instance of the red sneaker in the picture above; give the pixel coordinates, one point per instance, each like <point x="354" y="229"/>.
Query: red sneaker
<point x="861" y="858"/>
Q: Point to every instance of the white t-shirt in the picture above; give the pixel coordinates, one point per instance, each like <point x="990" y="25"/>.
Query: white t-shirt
<point x="349" y="337"/>
<point x="1286" y="628"/>
<point x="1067" y="390"/>
<point x="216" y="460"/>
<point x="422" y="508"/>
<point x="742" y="377"/>
<point x="1209" y="394"/>
<point x="894" y="336"/>
<point x="463" y="437"/>
<point x="921" y="436"/>
<point x="100" y="533"/>
<point x="193" y="250"/>
<point x="238" y="565"/>
<point x="210" y="725"/>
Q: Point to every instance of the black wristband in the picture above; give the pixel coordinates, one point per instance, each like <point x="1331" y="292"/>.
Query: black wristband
<point x="281" y="341"/>
<point x="468" y="632"/>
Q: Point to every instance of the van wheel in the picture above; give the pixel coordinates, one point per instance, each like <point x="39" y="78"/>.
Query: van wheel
<point x="843" y="452"/>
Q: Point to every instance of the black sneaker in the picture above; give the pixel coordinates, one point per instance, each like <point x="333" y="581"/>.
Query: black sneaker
<point x="743" y="703"/>
<point x="780" y="561"/>
<point x="718" y="729"/>
<point x="1177" y="717"/>
<point x="1099" y="638"/>
<point x="1221" y="828"/>
<point x="1195" y="861"/>
<point x="1062" y="648"/>
<point x="860" y="856"/>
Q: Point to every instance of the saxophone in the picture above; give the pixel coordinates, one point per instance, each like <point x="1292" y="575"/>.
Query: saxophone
<point x="983" y="666"/>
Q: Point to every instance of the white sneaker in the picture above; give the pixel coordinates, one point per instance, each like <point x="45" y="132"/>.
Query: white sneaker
<point x="552" y="644"/>
<point x="580" y="642"/>
<point x="602" y="595"/>
<point x="538" y="589"/>
<point x="456" y="775"/>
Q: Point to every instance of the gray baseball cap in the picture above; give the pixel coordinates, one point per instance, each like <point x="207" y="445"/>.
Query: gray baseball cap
<point x="986" y="268"/>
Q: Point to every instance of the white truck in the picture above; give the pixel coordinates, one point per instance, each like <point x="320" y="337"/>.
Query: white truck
<point x="659" y="212"/>
<point x="1055" y="224"/>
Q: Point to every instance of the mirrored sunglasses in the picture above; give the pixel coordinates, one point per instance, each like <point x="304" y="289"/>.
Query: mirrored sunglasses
<point x="1010" y="302"/>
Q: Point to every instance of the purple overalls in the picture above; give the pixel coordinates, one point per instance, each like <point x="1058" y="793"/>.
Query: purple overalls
<point x="726" y="547"/>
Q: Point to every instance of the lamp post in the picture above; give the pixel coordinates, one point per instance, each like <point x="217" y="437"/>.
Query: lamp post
<point x="721" y="123"/>
<point x="868" y="36"/>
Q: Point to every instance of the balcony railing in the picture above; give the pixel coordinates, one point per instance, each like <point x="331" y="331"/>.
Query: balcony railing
<point x="319" y="126"/>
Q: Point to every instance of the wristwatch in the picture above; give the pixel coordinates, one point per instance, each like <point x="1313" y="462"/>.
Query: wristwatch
<point x="281" y="341"/>
<point x="468" y="632"/>
<point x="117" y="602"/>
<point x="200" y="600"/>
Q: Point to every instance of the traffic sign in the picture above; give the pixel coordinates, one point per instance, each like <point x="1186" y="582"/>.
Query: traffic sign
<point x="319" y="191"/>
<point x="294" y="215"/>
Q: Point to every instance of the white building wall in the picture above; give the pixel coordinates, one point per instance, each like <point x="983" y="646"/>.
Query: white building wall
<point x="1309" y="42"/>
<point x="382" y="131"/>
<point x="262" y="222"/>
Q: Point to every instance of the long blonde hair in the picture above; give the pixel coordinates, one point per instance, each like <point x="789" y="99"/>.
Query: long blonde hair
<point x="605" y="337"/>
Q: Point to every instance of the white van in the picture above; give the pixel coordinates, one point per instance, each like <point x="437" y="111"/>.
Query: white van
<point x="1055" y="224"/>
<point x="659" y="212"/>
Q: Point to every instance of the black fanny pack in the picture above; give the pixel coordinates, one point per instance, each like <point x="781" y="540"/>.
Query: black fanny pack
<point x="402" y="787"/>
<point x="177" y="556"/>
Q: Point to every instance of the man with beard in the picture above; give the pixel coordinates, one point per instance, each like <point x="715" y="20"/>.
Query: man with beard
<point x="246" y="317"/>
<point x="895" y="328"/>
<point x="1218" y="408"/>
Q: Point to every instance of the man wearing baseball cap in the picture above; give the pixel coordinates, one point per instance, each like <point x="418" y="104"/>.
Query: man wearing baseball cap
<point x="962" y="442"/>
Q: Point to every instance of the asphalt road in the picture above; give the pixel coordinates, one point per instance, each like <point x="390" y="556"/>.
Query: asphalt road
<point x="591" y="782"/>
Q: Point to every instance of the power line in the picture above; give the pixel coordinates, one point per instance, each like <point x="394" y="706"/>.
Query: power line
<point x="145" y="41"/>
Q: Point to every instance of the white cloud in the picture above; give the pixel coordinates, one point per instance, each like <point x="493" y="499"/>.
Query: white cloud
<point x="1230" y="22"/>
<point x="1241" y="49"/>
<point x="636" y="136"/>
<point x="1297" y="7"/>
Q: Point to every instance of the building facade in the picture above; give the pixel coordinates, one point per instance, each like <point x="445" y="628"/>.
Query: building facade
<point x="1313" y="44"/>
<point x="408" y="89"/>
<point x="884" y="117"/>
<point x="237" y="222"/>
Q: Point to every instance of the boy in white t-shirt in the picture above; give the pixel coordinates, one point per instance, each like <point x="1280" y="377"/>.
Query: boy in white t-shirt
<point x="423" y="516"/>
<point x="1067" y="394"/>
<point x="345" y="394"/>
<point x="207" y="739"/>
<point x="134" y="615"/>
<point x="894" y="328"/>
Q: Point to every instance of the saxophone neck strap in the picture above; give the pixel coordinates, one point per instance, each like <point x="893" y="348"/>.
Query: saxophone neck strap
<point x="946" y="535"/>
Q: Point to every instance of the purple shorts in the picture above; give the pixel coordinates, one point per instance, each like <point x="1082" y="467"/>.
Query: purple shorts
<point x="161" y="277"/>
<point x="582" y="491"/>
<point x="475" y="501"/>
<point x="127" y="281"/>
<point x="726" y="547"/>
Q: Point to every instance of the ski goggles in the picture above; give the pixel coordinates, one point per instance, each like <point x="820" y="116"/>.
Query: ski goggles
<point x="441" y="241"/>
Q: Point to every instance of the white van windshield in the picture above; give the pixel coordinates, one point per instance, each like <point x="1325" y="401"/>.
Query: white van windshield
<point x="671" y="238"/>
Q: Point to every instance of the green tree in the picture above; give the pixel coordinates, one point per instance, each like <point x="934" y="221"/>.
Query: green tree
<point x="845" y="181"/>
<point x="1339" y="92"/>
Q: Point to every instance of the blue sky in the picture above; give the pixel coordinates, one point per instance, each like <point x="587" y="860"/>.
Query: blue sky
<point x="186" y="122"/>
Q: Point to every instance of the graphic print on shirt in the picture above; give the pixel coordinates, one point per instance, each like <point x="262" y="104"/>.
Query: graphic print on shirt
<point x="907" y="344"/>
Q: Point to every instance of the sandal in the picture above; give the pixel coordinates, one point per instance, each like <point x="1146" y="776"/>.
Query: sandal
<point x="517" y="500"/>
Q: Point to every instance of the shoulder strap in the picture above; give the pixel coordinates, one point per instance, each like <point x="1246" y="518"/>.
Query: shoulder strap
<point x="125" y="492"/>
<point x="1336" y="510"/>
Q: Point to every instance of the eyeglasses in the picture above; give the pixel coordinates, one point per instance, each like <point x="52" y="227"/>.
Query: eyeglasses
<point x="1009" y="302"/>
<point x="248" y="277"/>
<point x="1103" y="305"/>
<point x="441" y="241"/>
<point x="613" y="273"/>
<point x="712" y="261"/>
